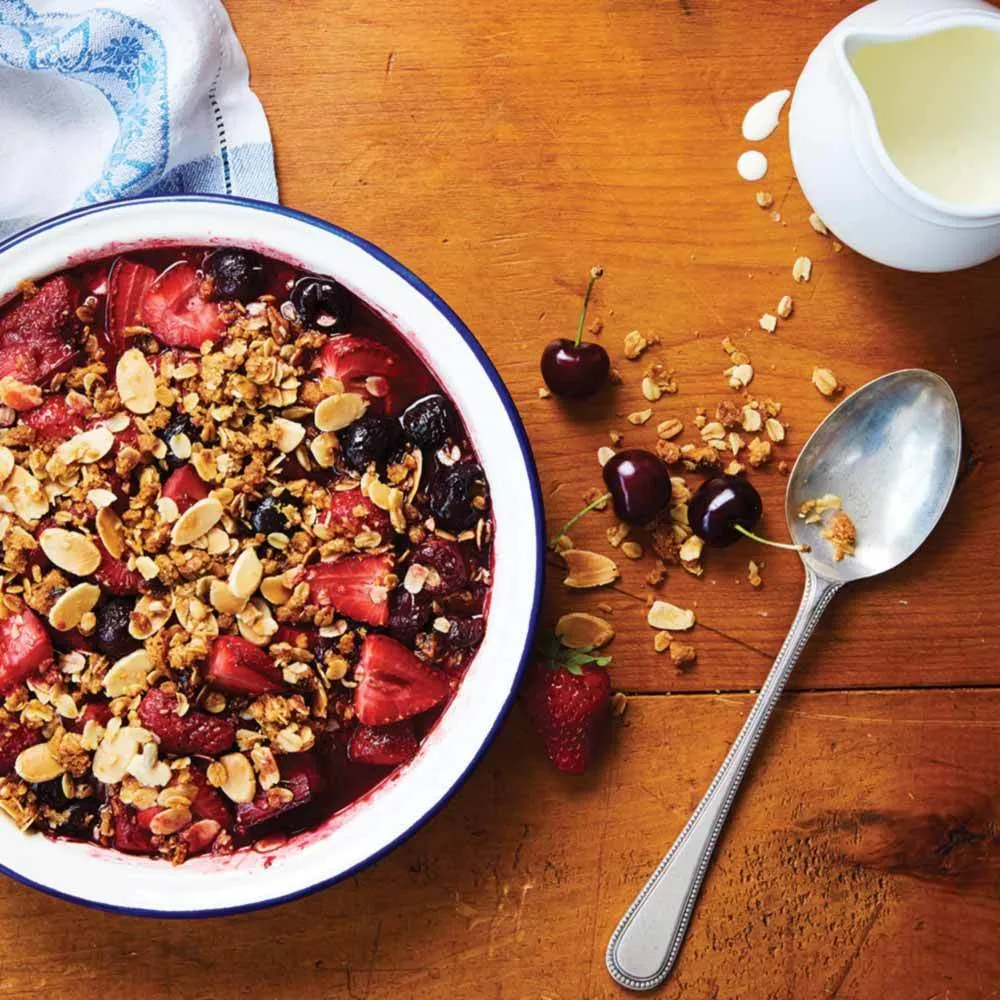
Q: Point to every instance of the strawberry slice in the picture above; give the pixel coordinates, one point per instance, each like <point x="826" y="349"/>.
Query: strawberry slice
<point x="354" y="585"/>
<point x="97" y="711"/>
<point x="13" y="739"/>
<point x="185" y="487"/>
<point x="114" y="575"/>
<point x="240" y="667"/>
<point x="24" y="648"/>
<point x="130" y="834"/>
<point x="393" y="684"/>
<point x="354" y="360"/>
<point x="54" y="420"/>
<point x="210" y="803"/>
<point x="350" y="513"/>
<point x="300" y="773"/>
<point x="37" y="336"/>
<point x="570" y="709"/>
<point x="173" y="308"/>
<point x="192" y="733"/>
<point x="383" y="746"/>
<point x="128" y="282"/>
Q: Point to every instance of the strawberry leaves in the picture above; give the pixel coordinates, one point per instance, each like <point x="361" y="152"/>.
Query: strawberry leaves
<point x="554" y="655"/>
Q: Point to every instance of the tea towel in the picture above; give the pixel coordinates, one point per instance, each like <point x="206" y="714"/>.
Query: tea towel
<point x="130" y="97"/>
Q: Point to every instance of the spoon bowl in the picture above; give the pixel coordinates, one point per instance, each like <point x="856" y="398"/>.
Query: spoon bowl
<point x="891" y="451"/>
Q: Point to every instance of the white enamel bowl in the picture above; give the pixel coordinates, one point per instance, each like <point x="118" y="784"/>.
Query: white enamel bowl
<point x="371" y="827"/>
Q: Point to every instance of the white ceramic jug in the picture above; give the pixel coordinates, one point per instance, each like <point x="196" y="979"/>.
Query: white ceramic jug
<point x="895" y="132"/>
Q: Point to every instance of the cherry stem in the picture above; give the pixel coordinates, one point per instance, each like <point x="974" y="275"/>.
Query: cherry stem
<point x="593" y="505"/>
<point x="595" y="273"/>
<point x="766" y="541"/>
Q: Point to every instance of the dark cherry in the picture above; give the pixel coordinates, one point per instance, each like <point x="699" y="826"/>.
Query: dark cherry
<point x="180" y="424"/>
<point x="373" y="438"/>
<point x="638" y="483"/>
<point x="408" y="614"/>
<point x="721" y="503"/>
<point x="458" y="497"/>
<point x="267" y="517"/>
<point x="465" y="632"/>
<point x="322" y="302"/>
<point x="573" y="370"/>
<point x="429" y="421"/>
<point x="111" y="635"/>
<point x="236" y="273"/>
<point x="447" y="560"/>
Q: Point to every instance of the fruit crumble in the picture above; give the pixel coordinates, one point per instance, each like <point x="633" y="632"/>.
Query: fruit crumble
<point x="245" y="551"/>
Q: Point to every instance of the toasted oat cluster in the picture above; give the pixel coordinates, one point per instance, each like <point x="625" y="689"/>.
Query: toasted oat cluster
<point x="245" y="551"/>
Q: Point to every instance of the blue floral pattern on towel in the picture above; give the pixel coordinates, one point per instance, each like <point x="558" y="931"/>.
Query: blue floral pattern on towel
<point x="124" y="59"/>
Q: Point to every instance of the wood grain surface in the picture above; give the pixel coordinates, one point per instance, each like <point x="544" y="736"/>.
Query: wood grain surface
<point x="500" y="150"/>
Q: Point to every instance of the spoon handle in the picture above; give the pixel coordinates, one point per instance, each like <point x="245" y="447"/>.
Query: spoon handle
<point x="645" y="945"/>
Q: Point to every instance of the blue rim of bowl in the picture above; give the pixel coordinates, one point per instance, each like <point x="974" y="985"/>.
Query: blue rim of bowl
<point x="536" y="499"/>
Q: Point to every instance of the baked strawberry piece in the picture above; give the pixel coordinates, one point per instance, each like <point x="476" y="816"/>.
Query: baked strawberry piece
<point x="128" y="282"/>
<point x="174" y="308"/>
<point x="185" y="487"/>
<point x="25" y="647"/>
<point x="355" y="586"/>
<point x="38" y="337"/>
<point x="393" y="683"/>
<point x="240" y="667"/>
<point x="14" y="738"/>
<point x="194" y="732"/>
<point x="350" y="513"/>
<point x="54" y="420"/>
<point x="300" y="775"/>
<point x="383" y="746"/>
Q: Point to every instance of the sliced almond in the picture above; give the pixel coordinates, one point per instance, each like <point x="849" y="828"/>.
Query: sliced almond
<point x="416" y="577"/>
<point x="127" y="676"/>
<point x="639" y="417"/>
<point x="151" y="772"/>
<point x="36" y="764"/>
<point x="690" y="551"/>
<point x="256" y="623"/>
<point x="170" y="821"/>
<point x="339" y="410"/>
<point x="149" y="616"/>
<point x="241" y="783"/>
<point x="72" y="605"/>
<point x="222" y="598"/>
<point x="111" y="532"/>
<point x="70" y="550"/>
<point x="275" y="590"/>
<point x="588" y="569"/>
<point x="604" y="455"/>
<point x="101" y="498"/>
<point x="167" y="509"/>
<point x="578" y="630"/>
<point x="26" y="495"/>
<point x="290" y="434"/>
<point x="768" y="322"/>
<point x="740" y="376"/>
<point x="324" y="449"/>
<point x="752" y="419"/>
<point x="196" y="521"/>
<point x="217" y="542"/>
<point x="201" y="835"/>
<point x="245" y="576"/>
<point x="665" y="616"/>
<point x="86" y="447"/>
<point x="136" y="382"/>
<point x="818" y="224"/>
<point x="6" y="463"/>
<point x="180" y="446"/>
<point x="147" y="568"/>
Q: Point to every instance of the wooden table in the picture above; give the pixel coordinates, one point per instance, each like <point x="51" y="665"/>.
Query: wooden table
<point x="501" y="150"/>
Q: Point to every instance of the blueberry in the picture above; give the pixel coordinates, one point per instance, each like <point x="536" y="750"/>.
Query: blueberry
<point x="373" y="438"/>
<point x="236" y="273"/>
<point x="458" y="496"/>
<point x="429" y="421"/>
<point x="267" y="517"/>
<point x="111" y="635"/>
<point x="181" y="423"/>
<point x="322" y="302"/>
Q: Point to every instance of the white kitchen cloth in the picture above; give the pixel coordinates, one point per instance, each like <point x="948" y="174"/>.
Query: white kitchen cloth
<point x="131" y="97"/>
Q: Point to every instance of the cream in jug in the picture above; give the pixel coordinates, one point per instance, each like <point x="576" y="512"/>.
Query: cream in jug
<point x="936" y="101"/>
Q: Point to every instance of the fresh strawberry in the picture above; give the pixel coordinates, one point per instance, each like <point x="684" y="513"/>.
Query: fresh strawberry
<point x="128" y="283"/>
<point x="174" y="309"/>
<point x="24" y="648"/>
<point x="568" y="696"/>
<point x="240" y="667"/>
<point x="354" y="585"/>
<point x="210" y="803"/>
<point x="354" y="360"/>
<point x="53" y="420"/>
<point x="192" y="733"/>
<point x="350" y="512"/>
<point x="37" y="336"/>
<point x="301" y="774"/>
<point x="185" y="487"/>
<point x="114" y="575"/>
<point x="13" y="739"/>
<point x="129" y="834"/>
<point x="383" y="746"/>
<point x="393" y="684"/>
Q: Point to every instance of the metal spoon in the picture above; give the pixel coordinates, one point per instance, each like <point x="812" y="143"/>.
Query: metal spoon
<point x="891" y="452"/>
